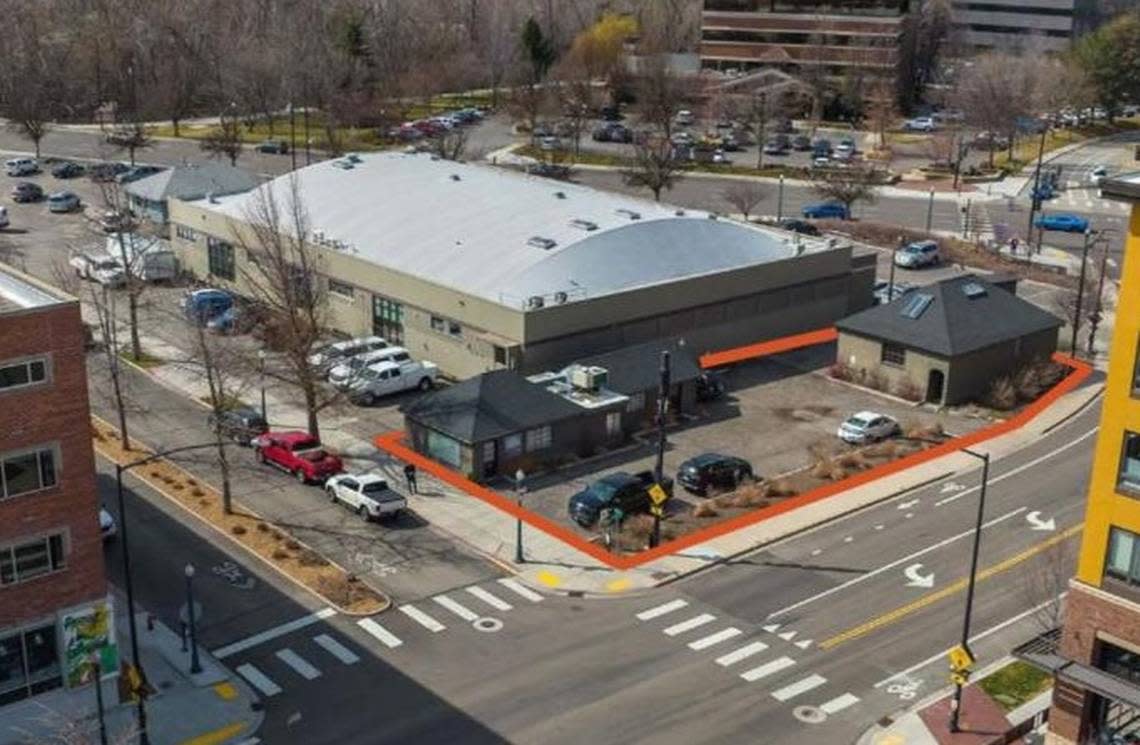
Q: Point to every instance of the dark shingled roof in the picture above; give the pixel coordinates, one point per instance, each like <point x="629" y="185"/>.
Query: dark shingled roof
<point x="638" y="368"/>
<point x="953" y="323"/>
<point x="490" y="405"/>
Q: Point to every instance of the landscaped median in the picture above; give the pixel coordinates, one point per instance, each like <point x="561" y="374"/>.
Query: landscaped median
<point x="301" y="564"/>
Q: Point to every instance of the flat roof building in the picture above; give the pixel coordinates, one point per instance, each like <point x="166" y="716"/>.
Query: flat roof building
<point x="1006" y="25"/>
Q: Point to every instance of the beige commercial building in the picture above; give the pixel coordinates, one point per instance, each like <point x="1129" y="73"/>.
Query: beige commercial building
<point x="480" y="268"/>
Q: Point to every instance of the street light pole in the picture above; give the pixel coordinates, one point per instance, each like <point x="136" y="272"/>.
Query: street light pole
<point x="261" y="379"/>
<point x="956" y="704"/>
<point x="1034" y="202"/>
<point x="780" y="199"/>
<point x="519" y="490"/>
<point x="930" y="211"/>
<point x="659" y="467"/>
<point x="97" y="666"/>
<point x="195" y="663"/>
<point x="1076" y="319"/>
<point x="124" y="545"/>
<point x="891" y="281"/>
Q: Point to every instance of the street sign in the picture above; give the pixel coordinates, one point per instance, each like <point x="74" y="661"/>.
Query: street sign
<point x="657" y="494"/>
<point x="960" y="659"/>
<point x="656" y="509"/>
<point x="960" y="678"/>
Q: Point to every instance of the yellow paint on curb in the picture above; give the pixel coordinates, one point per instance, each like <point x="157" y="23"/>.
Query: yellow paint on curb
<point x="889" y="739"/>
<point x="618" y="585"/>
<point x="549" y="578"/>
<point x="218" y="736"/>
<point x="226" y="691"/>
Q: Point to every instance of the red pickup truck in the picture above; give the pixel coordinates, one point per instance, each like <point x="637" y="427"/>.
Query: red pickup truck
<point x="298" y="453"/>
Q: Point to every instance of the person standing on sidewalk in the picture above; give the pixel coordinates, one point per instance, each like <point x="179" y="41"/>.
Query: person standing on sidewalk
<point x="410" y="475"/>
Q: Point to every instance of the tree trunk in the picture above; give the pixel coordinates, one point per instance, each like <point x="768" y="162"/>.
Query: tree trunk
<point x="37" y="144"/>
<point x="657" y="194"/>
<point x="133" y="316"/>
<point x="309" y="390"/>
<point x="176" y="124"/>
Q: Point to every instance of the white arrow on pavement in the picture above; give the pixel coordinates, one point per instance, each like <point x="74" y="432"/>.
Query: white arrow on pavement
<point x="951" y="487"/>
<point x="917" y="578"/>
<point x="1034" y="519"/>
<point x="908" y="504"/>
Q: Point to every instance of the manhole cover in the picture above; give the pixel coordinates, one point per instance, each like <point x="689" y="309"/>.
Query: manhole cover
<point x="487" y="624"/>
<point x="809" y="714"/>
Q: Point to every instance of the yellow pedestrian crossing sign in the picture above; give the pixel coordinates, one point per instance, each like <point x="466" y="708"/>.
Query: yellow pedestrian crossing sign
<point x="657" y="494"/>
<point x="656" y="509"/>
<point x="960" y="678"/>
<point x="960" y="659"/>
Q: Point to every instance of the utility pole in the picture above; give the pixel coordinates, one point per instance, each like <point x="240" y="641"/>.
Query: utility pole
<point x="662" y="410"/>
<point x="1076" y="319"/>
<point x="1035" y="203"/>
<point x="1095" y="316"/>
<point x="930" y="211"/>
<point x="956" y="704"/>
<point x="891" y="281"/>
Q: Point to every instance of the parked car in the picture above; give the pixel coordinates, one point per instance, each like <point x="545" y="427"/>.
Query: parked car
<point x="273" y="147"/>
<point x="107" y="171"/>
<point x="327" y="356"/>
<point x="775" y="147"/>
<point x="298" y="453"/>
<point x="684" y="118"/>
<point x="612" y="132"/>
<point x="21" y="167"/>
<point x="611" y="113"/>
<point x="846" y="146"/>
<point x="63" y="201"/>
<point x="199" y="306"/>
<point x="1063" y="222"/>
<point x="3" y="217"/>
<point x="710" y="386"/>
<point x="386" y="378"/>
<point x="917" y="254"/>
<point x="867" y="426"/>
<point x="797" y="226"/>
<point x="1097" y="175"/>
<point x="549" y="170"/>
<point x="365" y="494"/>
<point x="713" y="470"/>
<point x="549" y="142"/>
<point x="821" y="161"/>
<point x="989" y="141"/>
<point x="821" y="146"/>
<point x="27" y="191"/>
<point x="801" y="143"/>
<point x="107" y="528"/>
<point x="825" y="210"/>
<point x="98" y="267"/>
<point x="113" y="221"/>
<point x="241" y="424"/>
<point x="67" y="169"/>
<point x="884" y="292"/>
<point x="620" y="490"/>
<point x="342" y="373"/>
<point x="920" y="124"/>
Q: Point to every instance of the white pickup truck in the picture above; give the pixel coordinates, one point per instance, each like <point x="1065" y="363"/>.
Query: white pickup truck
<point x="98" y="267"/>
<point x="385" y="378"/>
<point x="366" y="494"/>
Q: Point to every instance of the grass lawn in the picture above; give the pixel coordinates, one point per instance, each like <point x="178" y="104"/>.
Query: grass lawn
<point x="146" y="360"/>
<point x="1015" y="684"/>
<point x="363" y="138"/>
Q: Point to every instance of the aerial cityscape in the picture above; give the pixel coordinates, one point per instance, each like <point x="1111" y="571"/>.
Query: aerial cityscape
<point x="595" y="371"/>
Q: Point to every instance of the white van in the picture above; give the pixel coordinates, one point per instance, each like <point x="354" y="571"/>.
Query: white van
<point x="342" y="375"/>
<point x="21" y="167"/>
<point x="150" y="259"/>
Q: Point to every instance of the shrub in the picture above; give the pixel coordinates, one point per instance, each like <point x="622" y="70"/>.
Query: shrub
<point x="725" y="500"/>
<point x="885" y="449"/>
<point x="280" y="554"/>
<point x="337" y="589"/>
<point x="638" y="526"/>
<point x="705" y="509"/>
<point x="781" y="488"/>
<point x="177" y="487"/>
<point x="191" y="482"/>
<point x="853" y="460"/>
<point x="196" y="492"/>
<point x="292" y="545"/>
<point x="1002" y="395"/>
<point x="908" y="389"/>
<point x="923" y="431"/>
<point x="1036" y="378"/>
<point x="204" y="503"/>
<point x="262" y="528"/>
<point x="821" y="469"/>
<point x="238" y="530"/>
<point x="878" y="380"/>
<point x="841" y="371"/>
<point x="278" y="535"/>
<point x="310" y="558"/>
<point x="156" y="474"/>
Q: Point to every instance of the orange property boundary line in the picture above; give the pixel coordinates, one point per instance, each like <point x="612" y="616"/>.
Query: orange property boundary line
<point x="393" y="443"/>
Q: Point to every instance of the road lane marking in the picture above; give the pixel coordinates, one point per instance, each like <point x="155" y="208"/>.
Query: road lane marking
<point x="423" y="619"/>
<point x="520" y="589"/>
<point x="740" y="654"/>
<point x="767" y="669"/>
<point x="788" y="692"/>
<point x="386" y="637"/>
<point x="258" y="680"/>
<point x="460" y="610"/>
<point x="887" y="567"/>
<point x="689" y="625"/>
<point x="298" y="663"/>
<point x="717" y="638"/>
<point x="336" y="649"/>
<point x="490" y="599"/>
<point x="660" y="610"/>
<point x="839" y="703"/>
<point x="286" y="628"/>
<point x="892" y="616"/>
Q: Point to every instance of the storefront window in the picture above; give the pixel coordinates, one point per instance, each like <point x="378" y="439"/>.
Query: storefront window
<point x="29" y="663"/>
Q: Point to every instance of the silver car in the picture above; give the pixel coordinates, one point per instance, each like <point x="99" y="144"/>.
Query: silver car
<point x="63" y="201"/>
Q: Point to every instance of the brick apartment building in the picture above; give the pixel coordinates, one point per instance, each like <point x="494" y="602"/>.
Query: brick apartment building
<point x="54" y="609"/>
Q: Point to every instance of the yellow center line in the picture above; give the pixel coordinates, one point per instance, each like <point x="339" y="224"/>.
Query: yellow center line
<point x="892" y="616"/>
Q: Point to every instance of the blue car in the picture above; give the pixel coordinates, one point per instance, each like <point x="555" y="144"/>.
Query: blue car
<point x="1065" y="223"/>
<point x="202" y="306"/>
<point x="824" y="210"/>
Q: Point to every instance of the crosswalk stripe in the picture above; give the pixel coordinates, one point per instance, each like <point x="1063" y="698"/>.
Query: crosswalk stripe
<point x="491" y="600"/>
<point x="336" y="649"/>
<point x="423" y="619"/>
<point x="839" y="703"/>
<point x="258" y="680"/>
<point x="460" y="610"/>
<point x="298" y="663"/>
<point x="767" y="668"/>
<point x="740" y="654"/>
<point x="264" y="636"/>
<point x="520" y="589"/>
<point x="386" y="637"/>
<point x="789" y="692"/>
<point x="717" y="638"/>
<point x="692" y="623"/>
<point x="660" y="610"/>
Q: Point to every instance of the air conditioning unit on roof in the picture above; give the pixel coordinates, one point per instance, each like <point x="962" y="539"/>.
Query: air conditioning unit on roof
<point x="588" y="378"/>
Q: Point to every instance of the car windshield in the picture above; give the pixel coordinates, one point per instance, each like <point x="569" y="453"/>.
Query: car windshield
<point x="107" y="264"/>
<point x="599" y="493"/>
<point x="858" y="422"/>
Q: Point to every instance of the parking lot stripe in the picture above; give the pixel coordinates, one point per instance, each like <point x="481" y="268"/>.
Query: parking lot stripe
<point x="423" y="619"/>
<point x="336" y="649"/>
<point x="692" y="623"/>
<point x="717" y="638"/>
<point x="462" y="611"/>
<point x="258" y="680"/>
<point x="298" y="663"/>
<point x="741" y="654"/>
<point x="767" y="668"/>
<point x="660" y="610"/>
<point x="285" y="628"/>
<point x="789" y="692"/>
<point x="520" y="589"/>
<point x="491" y="600"/>
<point x="839" y="703"/>
<point x="385" y="636"/>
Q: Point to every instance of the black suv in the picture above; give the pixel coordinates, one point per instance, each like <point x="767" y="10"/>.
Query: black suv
<point x="797" y="226"/>
<point x="625" y="491"/>
<point x="241" y="424"/>
<point x="713" y="470"/>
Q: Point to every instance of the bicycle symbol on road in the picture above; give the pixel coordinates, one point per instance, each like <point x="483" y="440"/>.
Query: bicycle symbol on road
<point x="365" y="563"/>
<point x="234" y="574"/>
<point x="905" y="687"/>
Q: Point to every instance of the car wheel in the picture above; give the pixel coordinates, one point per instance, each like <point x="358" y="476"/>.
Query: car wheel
<point x="299" y="475"/>
<point x="332" y="494"/>
<point x="261" y="456"/>
<point x="738" y="477"/>
<point x="367" y="399"/>
<point x="363" y="512"/>
<point x="425" y="384"/>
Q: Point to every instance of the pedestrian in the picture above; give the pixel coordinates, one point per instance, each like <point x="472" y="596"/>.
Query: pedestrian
<point x="1013" y="246"/>
<point x="410" y="475"/>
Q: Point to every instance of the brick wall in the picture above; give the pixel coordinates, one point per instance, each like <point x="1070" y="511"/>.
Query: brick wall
<point x="53" y="413"/>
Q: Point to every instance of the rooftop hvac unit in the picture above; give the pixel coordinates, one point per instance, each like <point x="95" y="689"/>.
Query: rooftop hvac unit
<point x="679" y="213"/>
<point x="537" y="241"/>
<point x="559" y="195"/>
<point x="589" y="378"/>
<point x="583" y="224"/>
<point x="535" y="301"/>
<point x="628" y="213"/>
<point x="455" y="177"/>
<point x="560" y="298"/>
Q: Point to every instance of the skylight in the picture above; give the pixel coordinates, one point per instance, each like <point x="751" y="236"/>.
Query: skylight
<point x="973" y="290"/>
<point x="916" y="304"/>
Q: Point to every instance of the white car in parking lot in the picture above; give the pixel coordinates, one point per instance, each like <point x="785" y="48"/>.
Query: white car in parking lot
<point x="326" y="357"/>
<point x="386" y="378"/>
<point x="919" y="253"/>
<point x="867" y="426"/>
<point x="365" y="494"/>
<point x="98" y="267"/>
<point x="21" y="167"/>
<point x="344" y="374"/>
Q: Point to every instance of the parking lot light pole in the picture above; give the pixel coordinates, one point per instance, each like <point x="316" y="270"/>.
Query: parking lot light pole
<point x="520" y="488"/>
<point x="780" y="199"/>
<point x="191" y="622"/>
<point x="1076" y="319"/>
<point x="261" y="379"/>
<point x="956" y="704"/>
<point x="659" y="467"/>
<point x="930" y="211"/>
<point x="97" y="667"/>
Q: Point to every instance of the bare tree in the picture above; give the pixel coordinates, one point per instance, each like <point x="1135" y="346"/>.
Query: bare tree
<point x="996" y="91"/>
<point x="744" y="196"/>
<point x="1045" y="582"/>
<point x="131" y="137"/>
<point x="225" y="140"/>
<point x="124" y="224"/>
<point x="847" y="185"/>
<point x="222" y="367"/>
<point x="882" y="111"/>
<point x="661" y="95"/>
<point x="655" y="166"/>
<point x="450" y="144"/>
<point x="103" y="301"/>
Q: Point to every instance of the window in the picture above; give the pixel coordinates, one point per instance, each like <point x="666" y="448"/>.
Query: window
<point x="29" y="663"/>
<point x="538" y="438"/>
<point x="185" y="233"/>
<point x="220" y="257"/>
<point x="454" y="329"/>
<point x="437" y="324"/>
<point x="893" y="354"/>
<point x="388" y="319"/>
<point x="20" y="374"/>
<point x="24" y="561"/>
<point x="500" y="355"/>
<point x="343" y="289"/>
<point x="1136" y="373"/>
<point x="512" y="446"/>
<point x="1129" y="478"/>
<point x="636" y="403"/>
<point x="1123" y="560"/>
<point x="613" y="424"/>
<point x="27" y="471"/>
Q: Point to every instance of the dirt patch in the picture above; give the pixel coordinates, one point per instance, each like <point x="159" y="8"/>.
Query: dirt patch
<point x="277" y="548"/>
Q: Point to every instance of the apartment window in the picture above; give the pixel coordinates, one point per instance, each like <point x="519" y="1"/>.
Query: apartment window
<point x="1129" y="478"/>
<point x="538" y="438"/>
<point x="341" y="289"/>
<point x="24" y="373"/>
<point x="893" y="354"/>
<point x="388" y="319"/>
<point x="1123" y="560"/>
<point x="454" y="329"/>
<point x="27" y="471"/>
<point x="25" y="561"/>
<point x="29" y="663"/>
<point x="185" y="233"/>
<point x="636" y="403"/>
<point x="220" y="258"/>
<point x="437" y="324"/>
